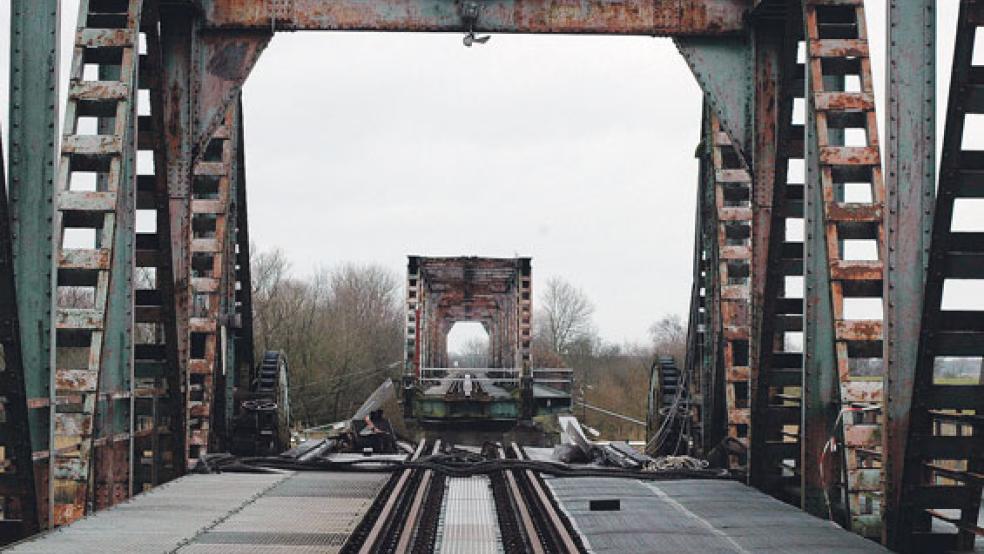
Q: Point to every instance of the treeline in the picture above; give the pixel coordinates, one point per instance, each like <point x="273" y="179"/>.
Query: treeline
<point x="342" y="330"/>
<point x="613" y="377"/>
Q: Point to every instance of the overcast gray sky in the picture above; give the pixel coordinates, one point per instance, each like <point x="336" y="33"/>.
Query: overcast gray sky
<point x="577" y="151"/>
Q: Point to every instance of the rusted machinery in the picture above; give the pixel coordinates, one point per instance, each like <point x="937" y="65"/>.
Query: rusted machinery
<point x="133" y="345"/>
<point x="261" y="426"/>
<point x="671" y="419"/>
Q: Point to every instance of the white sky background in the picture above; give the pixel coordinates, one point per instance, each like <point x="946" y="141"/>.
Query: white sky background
<point x="577" y="151"/>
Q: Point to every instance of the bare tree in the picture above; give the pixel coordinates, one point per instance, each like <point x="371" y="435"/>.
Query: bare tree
<point x="473" y="353"/>
<point x="669" y="336"/>
<point x="565" y="316"/>
<point x="342" y="330"/>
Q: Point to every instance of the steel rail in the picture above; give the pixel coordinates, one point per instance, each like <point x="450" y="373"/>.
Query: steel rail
<point x="414" y="516"/>
<point x="385" y="515"/>
<point x="558" y="528"/>
<point x="525" y="514"/>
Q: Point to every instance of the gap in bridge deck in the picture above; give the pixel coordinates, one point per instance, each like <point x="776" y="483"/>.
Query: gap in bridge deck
<point x="578" y="151"/>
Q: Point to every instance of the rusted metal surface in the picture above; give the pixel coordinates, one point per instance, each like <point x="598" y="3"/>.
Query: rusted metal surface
<point x="492" y="291"/>
<point x="495" y="292"/>
<point x="734" y="48"/>
<point x="209" y="270"/>
<point x="712" y="374"/>
<point x="910" y="183"/>
<point x="836" y="32"/>
<point x="771" y="47"/>
<point x="733" y="233"/>
<point x="158" y="400"/>
<point x="177" y="41"/>
<point x="94" y="314"/>
<point x="633" y="17"/>
<point x="224" y="61"/>
<point x="939" y="485"/>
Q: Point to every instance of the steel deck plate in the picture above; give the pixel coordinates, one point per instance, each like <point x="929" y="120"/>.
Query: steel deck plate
<point x="695" y="516"/>
<point x="233" y="512"/>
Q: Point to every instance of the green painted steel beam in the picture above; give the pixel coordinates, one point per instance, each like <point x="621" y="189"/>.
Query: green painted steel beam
<point x="820" y="392"/>
<point x="723" y="68"/>
<point x="910" y="180"/>
<point x="34" y="33"/>
<point x="114" y="414"/>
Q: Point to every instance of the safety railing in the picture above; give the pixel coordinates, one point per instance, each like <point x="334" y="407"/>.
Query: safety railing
<point x="491" y="375"/>
<point x="558" y="378"/>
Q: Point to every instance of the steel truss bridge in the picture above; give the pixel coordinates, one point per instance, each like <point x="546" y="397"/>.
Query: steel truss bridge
<point x="123" y="355"/>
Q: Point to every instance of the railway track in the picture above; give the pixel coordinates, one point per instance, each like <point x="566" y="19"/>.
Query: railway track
<point x="421" y="511"/>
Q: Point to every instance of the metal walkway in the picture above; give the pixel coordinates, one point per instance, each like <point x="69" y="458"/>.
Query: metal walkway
<point x="468" y="519"/>
<point x="226" y="513"/>
<point x="695" y="516"/>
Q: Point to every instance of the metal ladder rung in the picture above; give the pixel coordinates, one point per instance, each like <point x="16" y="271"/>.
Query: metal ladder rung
<point x="838" y="48"/>
<point x="850" y="155"/>
<point x="92" y="145"/>
<point x="104" y="38"/>
<point x="109" y="92"/>
<point x="78" y="319"/>
<point x="84" y="260"/>
<point x="845" y="101"/>
<point x="87" y="201"/>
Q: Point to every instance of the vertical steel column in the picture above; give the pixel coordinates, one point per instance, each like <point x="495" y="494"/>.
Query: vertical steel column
<point x="775" y="450"/>
<point x="177" y="38"/>
<point x="210" y="204"/>
<point x="93" y="224"/>
<point x="910" y="179"/>
<point x="413" y="334"/>
<point x="244" y="291"/>
<point x="714" y="411"/>
<point x="939" y="493"/>
<point x="733" y="233"/>
<point x="231" y="319"/>
<point x="767" y="49"/>
<point x="158" y="399"/>
<point x="34" y="47"/>
<point x="819" y="396"/>
<point x="19" y="517"/>
<point x="845" y="198"/>
<point x="696" y="337"/>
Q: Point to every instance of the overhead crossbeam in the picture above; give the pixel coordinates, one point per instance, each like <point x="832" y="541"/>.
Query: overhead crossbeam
<point x="629" y="17"/>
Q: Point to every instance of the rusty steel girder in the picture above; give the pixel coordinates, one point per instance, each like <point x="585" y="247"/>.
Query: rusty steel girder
<point x="626" y="17"/>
